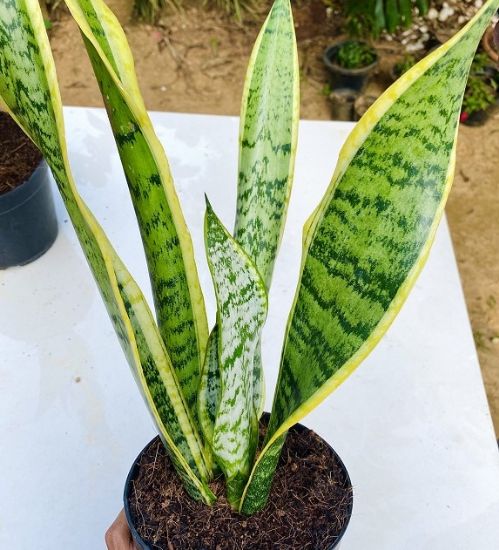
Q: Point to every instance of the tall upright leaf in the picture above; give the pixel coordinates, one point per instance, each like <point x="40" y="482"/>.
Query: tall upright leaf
<point x="392" y="15"/>
<point x="268" y="136"/>
<point x="177" y="294"/>
<point x="242" y="309"/>
<point x="209" y="388"/>
<point x="370" y="237"/>
<point x="267" y="146"/>
<point x="422" y="6"/>
<point x="405" y="8"/>
<point x="379" y="19"/>
<point x="28" y="88"/>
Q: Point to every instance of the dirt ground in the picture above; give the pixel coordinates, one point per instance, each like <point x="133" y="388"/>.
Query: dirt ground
<point x="195" y="62"/>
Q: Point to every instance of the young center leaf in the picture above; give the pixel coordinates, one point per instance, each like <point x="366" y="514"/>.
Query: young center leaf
<point x="267" y="139"/>
<point x="242" y="309"/>
<point x="209" y="388"/>
<point x="28" y="89"/>
<point x="167" y="243"/>
<point x="267" y="146"/>
<point x="369" y="238"/>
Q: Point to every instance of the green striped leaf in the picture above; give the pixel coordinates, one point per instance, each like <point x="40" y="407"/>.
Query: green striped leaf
<point x="167" y="243"/>
<point x="405" y="7"/>
<point x="379" y="17"/>
<point x="268" y="135"/>
<point x="28" y="88"/>
<point x="392" y="15"/>
<point x="422" y="6"/>
<point x="242" y="309"/>
<point x="209" y="388"/>
<point x="369" y="239"/>
<point x="267" y="146"/>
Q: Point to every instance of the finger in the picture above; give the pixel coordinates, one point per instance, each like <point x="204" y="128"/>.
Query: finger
<point x="118" y="535"/>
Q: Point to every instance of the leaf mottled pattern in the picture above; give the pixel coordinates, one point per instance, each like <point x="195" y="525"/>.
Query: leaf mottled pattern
<point x="267" y="146"/>
<point x="370" y="236"/>
<point x="28" y="88"/>
<point x="167" y="244"/>
<point x="242" y="309"/>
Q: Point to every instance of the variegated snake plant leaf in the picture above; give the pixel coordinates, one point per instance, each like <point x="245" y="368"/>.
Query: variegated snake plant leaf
<point x="267" y="147"/>
<point x="369" y="238"/>
<point x="242" y="310"/>
<point x="167" y="243"/>
<point x="363" y="246"/>
<point x="29" y="90"/>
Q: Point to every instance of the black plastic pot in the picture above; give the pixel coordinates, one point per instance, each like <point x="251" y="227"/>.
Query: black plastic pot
<point x="489" y="46"/>
<point x="28" y="225"/>
<point x="132" y="475"/>
<point x="354" y="79"/>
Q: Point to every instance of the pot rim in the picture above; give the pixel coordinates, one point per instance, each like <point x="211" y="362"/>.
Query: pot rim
<point x="298" y="427"/>
<point x="24" y="191"/>
<point x="488" y="44"/>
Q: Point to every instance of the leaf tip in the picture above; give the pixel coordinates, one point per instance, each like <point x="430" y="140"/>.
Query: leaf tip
<point x="209" y="208"/>
<point x="210" y="219"/>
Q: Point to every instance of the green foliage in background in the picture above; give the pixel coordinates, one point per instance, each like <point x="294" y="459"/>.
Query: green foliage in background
<point x="236" y="8"/>
<point x="354" y="55"/>
<point x="371" y="17"/>
<point x="481" y="89"/>
<point x="148" y="10"/>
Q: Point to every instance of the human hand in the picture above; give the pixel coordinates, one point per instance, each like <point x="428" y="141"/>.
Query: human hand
<point x="118" y="536"/>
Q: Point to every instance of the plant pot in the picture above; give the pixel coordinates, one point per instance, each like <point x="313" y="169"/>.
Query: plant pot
<point x="342" y="102"/>
<point x="28" y="225"/>
<point x="133" y="479"/>
<point x="341" y="77"/>
<point x="489" y="46"/>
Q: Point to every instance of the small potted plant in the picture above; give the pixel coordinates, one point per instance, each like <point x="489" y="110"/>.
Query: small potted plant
<point x="217" y="472"/>
<point x="28" y="225"/>
<point x="350" y="62"/>
<point x="481" y="91"/>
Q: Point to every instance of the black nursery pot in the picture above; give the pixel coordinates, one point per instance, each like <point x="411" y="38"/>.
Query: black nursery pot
<point x="134" y="471"/>
<point x="340" y="77"/>
<point x="28" y="224"/>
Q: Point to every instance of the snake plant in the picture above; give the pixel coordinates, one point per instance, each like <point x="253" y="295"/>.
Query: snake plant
<point x="363" y="246"/>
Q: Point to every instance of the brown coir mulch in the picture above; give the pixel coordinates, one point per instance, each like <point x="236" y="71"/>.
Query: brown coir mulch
<point x="18" y="156"/>
<point x="308" y="507"/>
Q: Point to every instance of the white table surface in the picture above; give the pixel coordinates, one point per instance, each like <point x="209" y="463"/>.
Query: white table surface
<point x="412" y="424"/>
